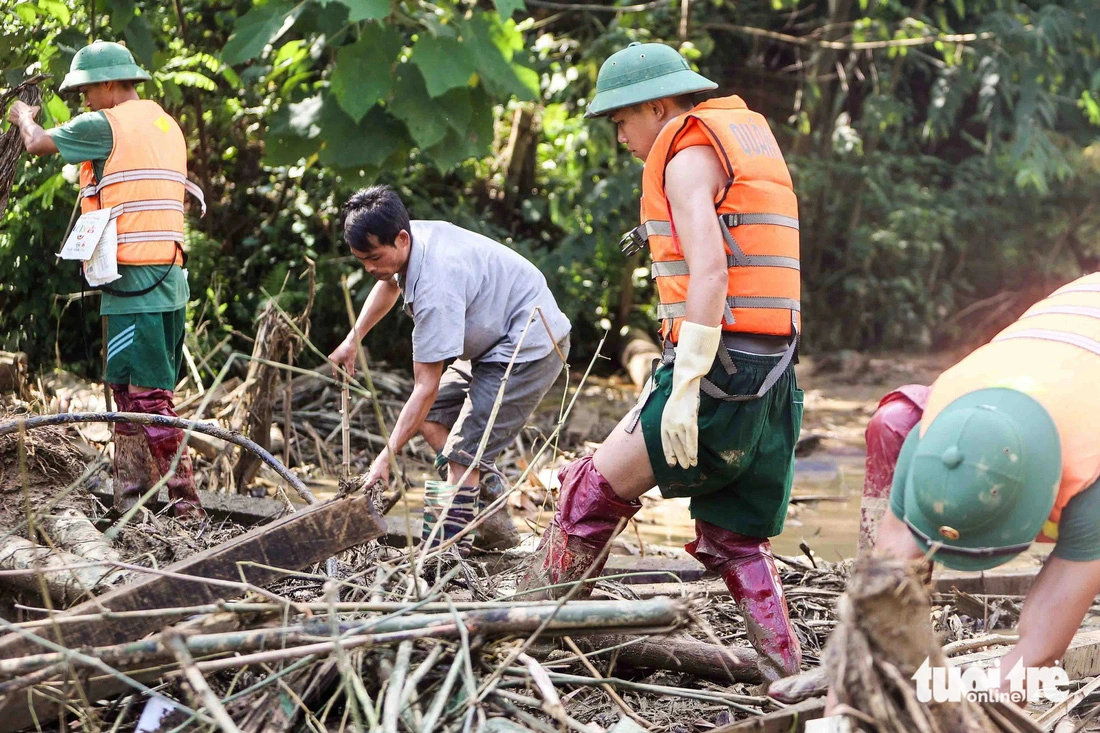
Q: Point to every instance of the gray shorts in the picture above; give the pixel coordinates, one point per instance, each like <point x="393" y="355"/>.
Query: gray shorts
<point x="468" y="391"/>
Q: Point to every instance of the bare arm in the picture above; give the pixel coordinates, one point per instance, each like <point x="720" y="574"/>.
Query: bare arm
<point x="693" y="180"/>
<point x="35" y="139"/>
<point x="378" y="303"/>
<point x="426" y="376"/>
<point x="1053" y="610"/>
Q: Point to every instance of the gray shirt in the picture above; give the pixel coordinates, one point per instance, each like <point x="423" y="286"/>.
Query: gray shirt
<point x="470" y="298"/>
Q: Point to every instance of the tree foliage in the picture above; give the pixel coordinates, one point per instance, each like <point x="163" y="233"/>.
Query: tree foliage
<point x="943" y="151"/>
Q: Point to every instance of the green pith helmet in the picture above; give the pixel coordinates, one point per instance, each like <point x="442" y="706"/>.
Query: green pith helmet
<point x="982" y="479"/>
<point x="102" y="61"/>
<point x="642" y="72"/>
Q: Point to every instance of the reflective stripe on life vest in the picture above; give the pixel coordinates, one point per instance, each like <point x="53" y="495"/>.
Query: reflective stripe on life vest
<point x="758" y="218"/>
<point x="144" y="183"/>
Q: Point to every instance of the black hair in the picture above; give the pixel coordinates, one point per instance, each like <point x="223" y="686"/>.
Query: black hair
<point x="376" y="210"/>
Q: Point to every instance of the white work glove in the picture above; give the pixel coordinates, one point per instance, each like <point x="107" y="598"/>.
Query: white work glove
<point x="695" y="352"/>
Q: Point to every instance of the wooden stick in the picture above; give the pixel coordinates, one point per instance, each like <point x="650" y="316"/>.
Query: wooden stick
<point x="615" y="697"/>
<point x="345" y="427"/>
<point x="198" y="683"/>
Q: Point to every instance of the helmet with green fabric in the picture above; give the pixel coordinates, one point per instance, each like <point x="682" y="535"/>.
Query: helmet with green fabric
<point x="642" y="72"/>
<point x="982" y="479"/>
<point x="102" y="61"/>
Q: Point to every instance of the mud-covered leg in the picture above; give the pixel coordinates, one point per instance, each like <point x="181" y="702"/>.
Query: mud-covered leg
<point x="134" y="469"/>
<point x="589" y="513"/>
<point x="748" y="569"/>
<point x="164" y="443"/>
<point x="896" y="415"/>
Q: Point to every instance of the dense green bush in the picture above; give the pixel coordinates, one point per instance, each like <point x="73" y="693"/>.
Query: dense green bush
<point x="943" y="166"/>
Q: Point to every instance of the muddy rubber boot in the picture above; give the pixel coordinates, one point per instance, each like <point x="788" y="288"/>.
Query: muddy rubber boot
<point x="498" y="532"/>
<point x="746" y="565"/>
<point x="589" y="513"/>
<point x="134" y="470"/>
<point x="164" y="443"/>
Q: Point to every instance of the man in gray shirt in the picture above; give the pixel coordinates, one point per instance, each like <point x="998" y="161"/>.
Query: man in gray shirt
<point x="470" y="299"/>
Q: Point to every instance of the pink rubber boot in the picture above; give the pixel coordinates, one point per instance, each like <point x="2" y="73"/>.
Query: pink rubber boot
<point x="746" y="565"/>
<point x="897" y="414"/>
<point x="134" y="469"/>
<point x="588" y="516"/>
<point x="164" y="443"/>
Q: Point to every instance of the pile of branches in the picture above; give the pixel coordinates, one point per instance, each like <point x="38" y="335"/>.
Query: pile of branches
<point x="377" y="647"/>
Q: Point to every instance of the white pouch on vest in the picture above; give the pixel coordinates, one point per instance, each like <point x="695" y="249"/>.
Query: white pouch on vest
<point x="102" y="267"/>
<point x="85" y="235"/>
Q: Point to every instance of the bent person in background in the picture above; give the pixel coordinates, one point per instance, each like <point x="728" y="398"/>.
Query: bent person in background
<point x="719" y="418"/>
<point x="133" y="161"/>
<point x="1003" y="451"/>
<point x="470" y="299"/>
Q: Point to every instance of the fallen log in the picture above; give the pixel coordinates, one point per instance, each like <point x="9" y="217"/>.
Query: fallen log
<point x="65" y="576"/>
<point x="73" y="531"/>
<point x="691" y="656"/>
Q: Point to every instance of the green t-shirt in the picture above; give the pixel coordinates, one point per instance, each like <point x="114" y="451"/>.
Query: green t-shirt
<point x="89" y="136"/>
<point x="1078" y="527"/>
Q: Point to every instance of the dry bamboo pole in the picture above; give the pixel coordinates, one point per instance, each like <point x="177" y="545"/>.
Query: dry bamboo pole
<point x="73" y="657"/>
<point x="611" y="693"/>
<point x="245" y="607"/>
<point x="202" y="690"/>
<point x="345" y="430"/>
<point x="572" y="618"/>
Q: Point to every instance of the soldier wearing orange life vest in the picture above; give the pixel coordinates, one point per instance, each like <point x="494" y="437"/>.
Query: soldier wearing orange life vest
<point x="133" y="160"/>
<point x="1002" y="451"/>
<point x="720" y="416"/>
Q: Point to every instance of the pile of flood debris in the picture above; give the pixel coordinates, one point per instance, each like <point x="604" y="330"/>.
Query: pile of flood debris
<point x="279" y="615"/>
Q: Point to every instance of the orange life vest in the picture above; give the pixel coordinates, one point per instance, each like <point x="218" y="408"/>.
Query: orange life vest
<point x="1053" y="354"/>
<point x="757" y="211"/>
<point x="144" y="181"/>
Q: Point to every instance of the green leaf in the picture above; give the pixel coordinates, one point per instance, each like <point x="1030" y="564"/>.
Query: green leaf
<point x="122" y="12"/>
<point x="193" y="79"/>
<point x="454" y="107"/>
<point x="367" y="9"/>
<point x="473" y="138"/>
<point x="139" y="39"/>
<point x="57" y="9"/>
<point x="507" y="7"/>
<point x="27" y="12"/>
<point x="412" y="105"/>
<point x="364" y="70"/>
<point x="443" y="62"/>
<point x="293" y="132"/>
<point x="58" y="109"/>
<point x="350" y="145"/>
<point x="259" y="27"/>
<point x="496" y="70"/>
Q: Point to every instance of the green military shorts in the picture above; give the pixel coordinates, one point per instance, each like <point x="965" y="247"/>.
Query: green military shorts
<point x="746" y="449"/>
<point x="145" y="349"/>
